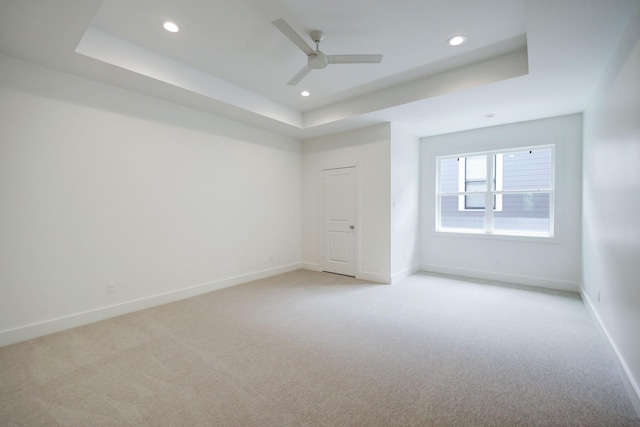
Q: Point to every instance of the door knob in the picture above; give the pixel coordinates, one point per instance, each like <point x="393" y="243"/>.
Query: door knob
<point x="352" y="227"/>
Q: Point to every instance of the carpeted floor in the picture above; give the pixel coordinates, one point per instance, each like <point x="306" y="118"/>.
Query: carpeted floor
<point x="316" y="349"/>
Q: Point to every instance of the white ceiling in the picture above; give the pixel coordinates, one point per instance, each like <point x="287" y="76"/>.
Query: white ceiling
<point x="523" y="60"/>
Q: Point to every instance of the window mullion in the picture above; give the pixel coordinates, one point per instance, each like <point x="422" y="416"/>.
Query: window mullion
<point x="461" y="183"/>
<point x="488" y="200"/>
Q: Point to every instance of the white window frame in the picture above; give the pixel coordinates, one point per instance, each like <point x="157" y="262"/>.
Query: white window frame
<point x="498" y="192"/>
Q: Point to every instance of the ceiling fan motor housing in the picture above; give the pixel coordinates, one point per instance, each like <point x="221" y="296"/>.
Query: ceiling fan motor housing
<point x="318" y="60"/>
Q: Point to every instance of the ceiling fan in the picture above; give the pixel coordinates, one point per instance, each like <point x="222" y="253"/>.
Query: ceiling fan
<point x="316" y="59"/>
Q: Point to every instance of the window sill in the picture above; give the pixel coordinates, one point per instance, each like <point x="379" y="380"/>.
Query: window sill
<point x="470" y="234"/>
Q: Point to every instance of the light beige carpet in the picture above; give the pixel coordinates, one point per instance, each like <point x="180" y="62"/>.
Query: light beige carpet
<point x="316" y="349"/>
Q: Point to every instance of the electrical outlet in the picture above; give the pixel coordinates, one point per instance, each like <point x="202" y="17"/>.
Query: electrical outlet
<point x="111" y="287"/>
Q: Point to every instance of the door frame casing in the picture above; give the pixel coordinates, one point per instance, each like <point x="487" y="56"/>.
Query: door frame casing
<point x="356" y="239"/>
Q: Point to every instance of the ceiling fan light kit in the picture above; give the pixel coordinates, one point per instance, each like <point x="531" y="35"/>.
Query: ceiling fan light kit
<point x="317" y="60"/>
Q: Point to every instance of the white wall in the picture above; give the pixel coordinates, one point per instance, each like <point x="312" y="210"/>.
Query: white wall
<point x="405" y="202"/>
<point x="547" y="263"/>
<point x="99" y="184"/>
<point x="368" y="150"/>
<point x="611" y="213"/>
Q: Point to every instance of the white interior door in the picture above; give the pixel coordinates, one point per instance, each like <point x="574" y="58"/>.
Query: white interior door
<point x="338" y="217"/>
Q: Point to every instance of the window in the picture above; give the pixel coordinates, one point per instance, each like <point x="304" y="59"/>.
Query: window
<point x="518" y="185"/>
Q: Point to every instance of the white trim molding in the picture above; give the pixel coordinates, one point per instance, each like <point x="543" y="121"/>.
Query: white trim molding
<point x="27" y="332"/>
<point x="401" y="275"/>
<point x="373" y="277"/>
<point x="632" y="386"/>
<point x="311" y="266"/>
<point x="539" y="282"/>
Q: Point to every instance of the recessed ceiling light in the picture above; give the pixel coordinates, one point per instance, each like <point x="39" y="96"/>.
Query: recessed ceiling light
<point x="457" y="40"/>
<point x="305" y="93"/>
<point x="171" y="27"/>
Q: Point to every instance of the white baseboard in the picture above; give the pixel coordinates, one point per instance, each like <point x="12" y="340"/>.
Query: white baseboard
<point x="35" y="330"/>
<point x="539" y="282"/>
<point x="401" y="275"/>
<point x="373" y="277"/>
<point x="363" y="275"/>
<point x="311" y="266"/>
<point x="633" y="389"/>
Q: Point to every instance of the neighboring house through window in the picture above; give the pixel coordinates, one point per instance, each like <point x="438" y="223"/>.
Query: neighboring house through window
<point x="472" y="177"/>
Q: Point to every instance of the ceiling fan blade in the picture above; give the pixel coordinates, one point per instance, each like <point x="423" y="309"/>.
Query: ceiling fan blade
<point x="299" y="76"/>
<point x="291" y="34"/>
<point x="354" y="59"/>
